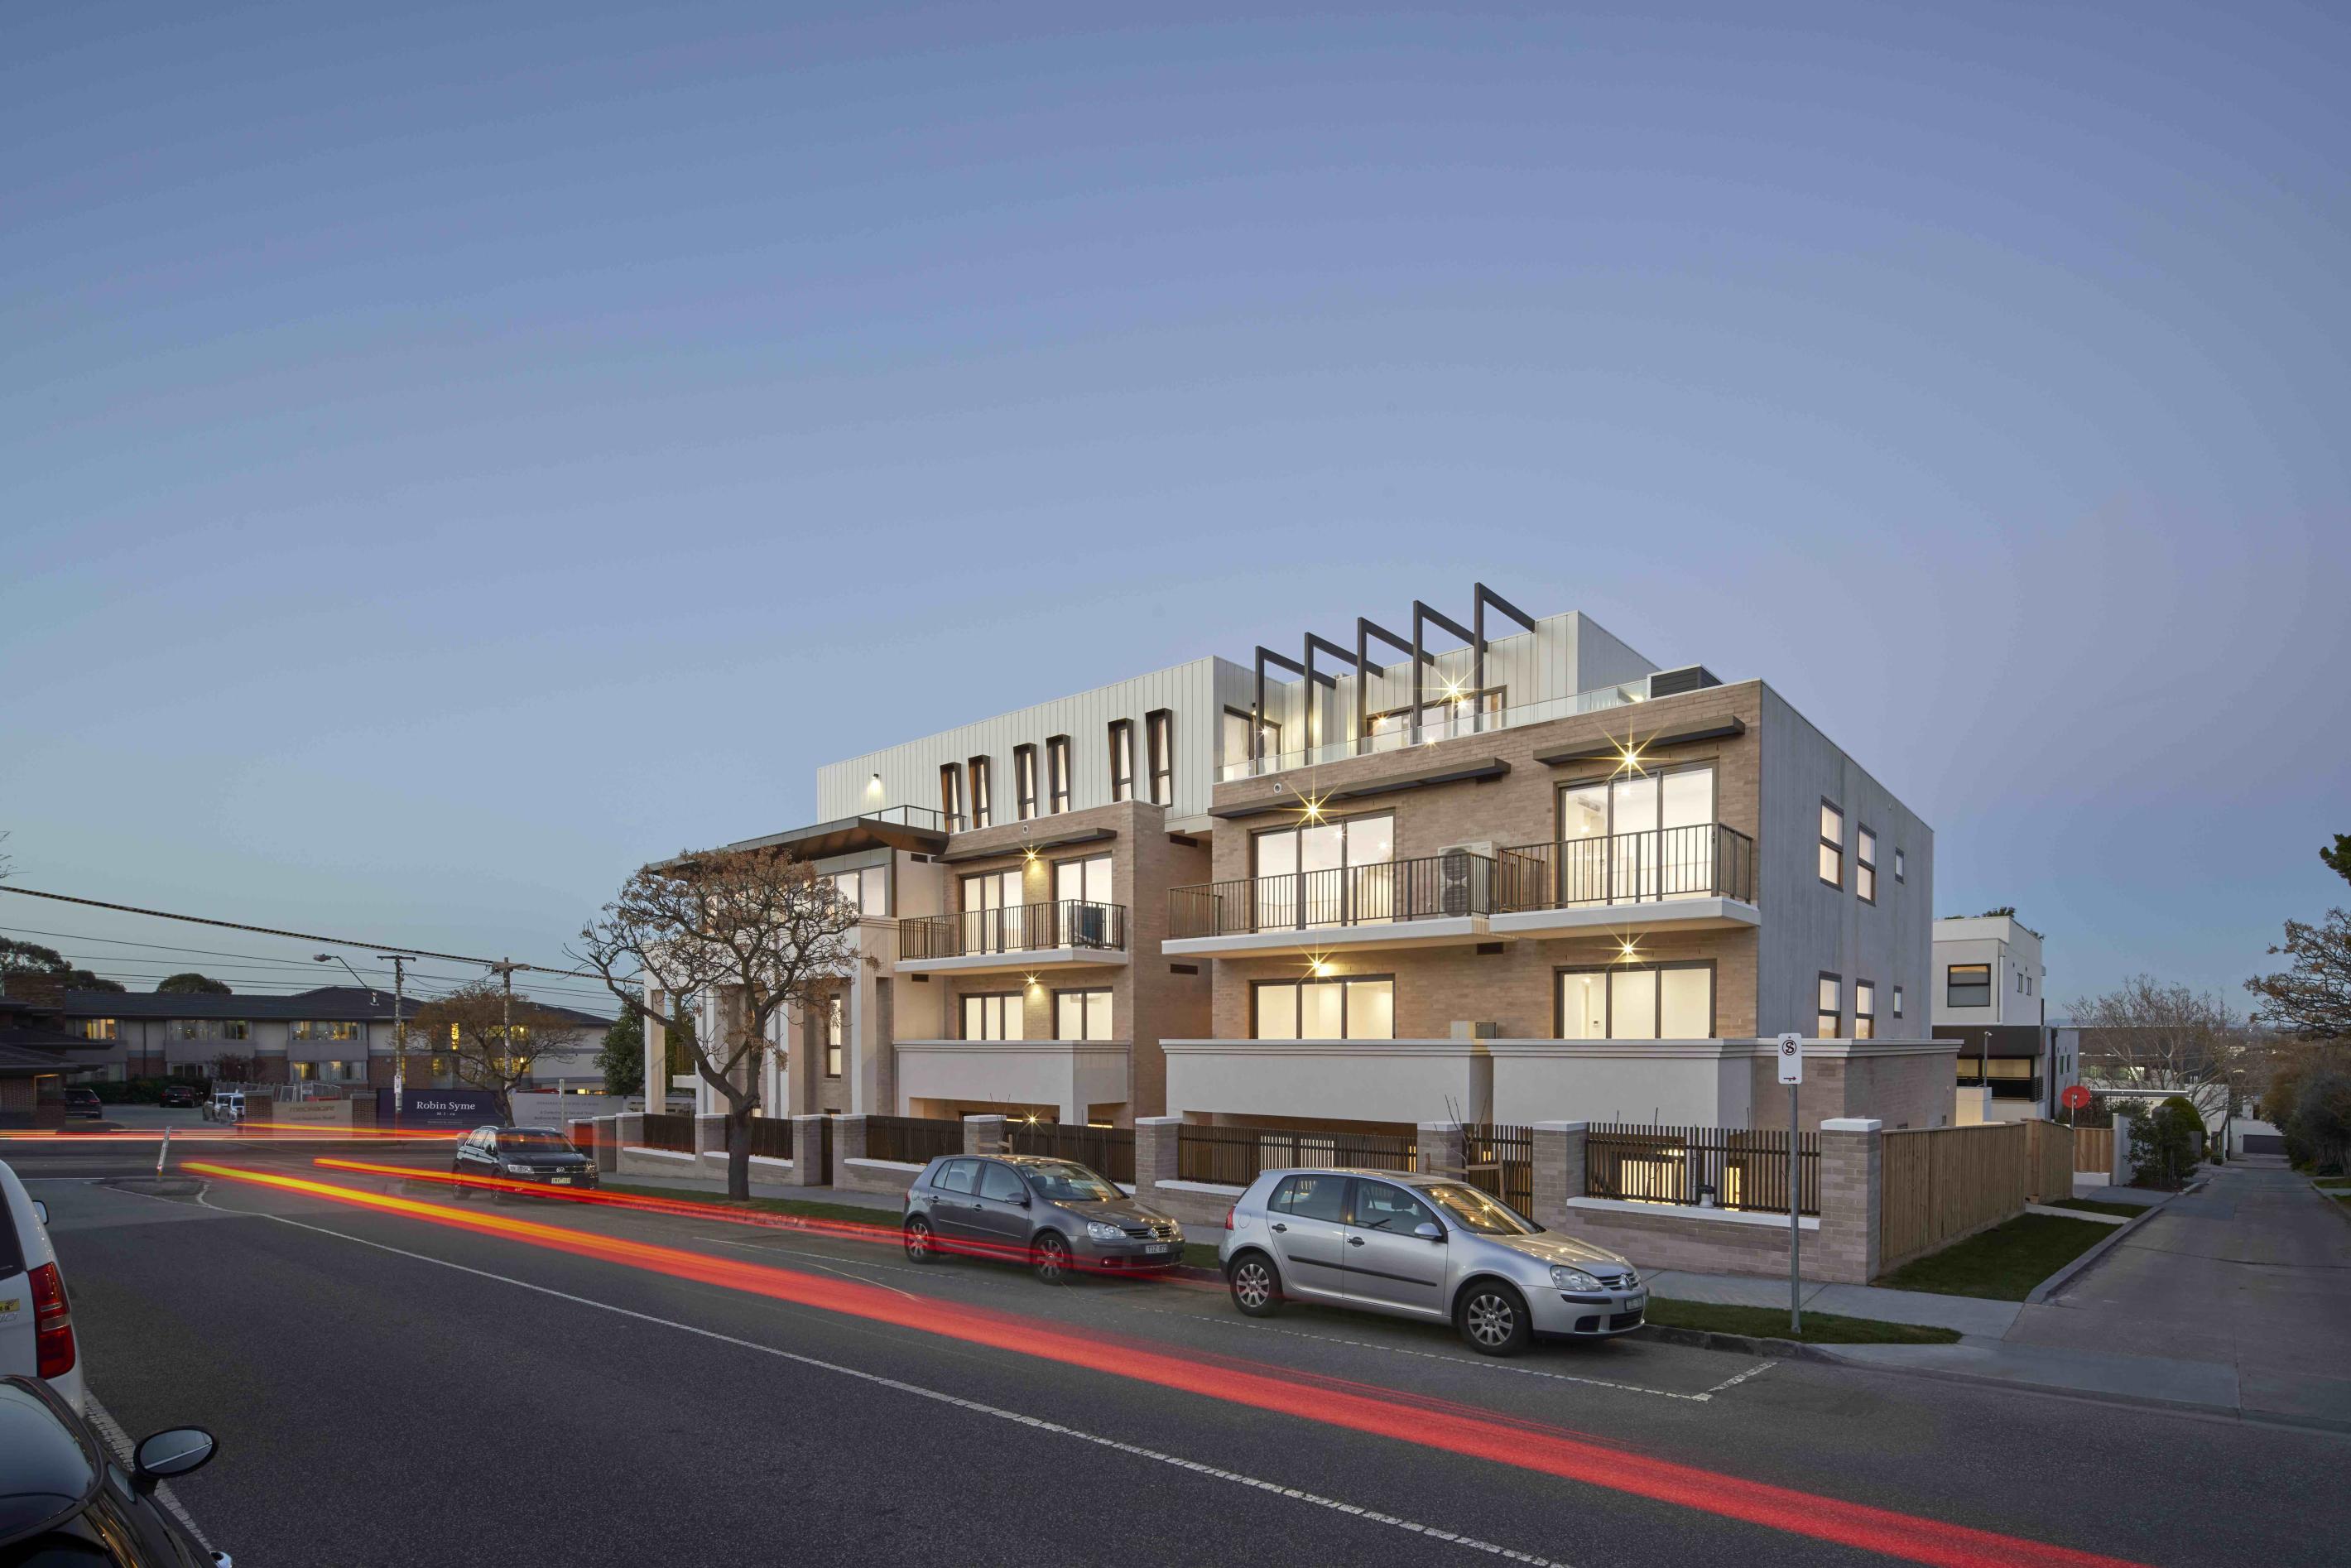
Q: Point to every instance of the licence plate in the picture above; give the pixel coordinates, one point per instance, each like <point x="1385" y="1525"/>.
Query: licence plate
<point x="1159" y="1251"/>
<point x="559" y="1181"/>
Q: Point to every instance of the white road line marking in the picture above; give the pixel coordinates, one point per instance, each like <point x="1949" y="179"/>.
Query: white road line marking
<point x="997" y="1412"/>
<point x="1755" y="1371"/>
<point x="120" y="1441"/>
<point x="1460" y="1361"/>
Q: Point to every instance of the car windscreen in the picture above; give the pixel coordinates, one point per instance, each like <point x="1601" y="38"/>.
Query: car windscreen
<point x="1479" y="1212"/>
<point x="1065" y="1181"/>
<point x="532" y="1143"/>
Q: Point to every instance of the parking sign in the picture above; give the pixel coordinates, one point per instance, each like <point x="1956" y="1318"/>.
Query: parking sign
<point x="1791" y="1059"/>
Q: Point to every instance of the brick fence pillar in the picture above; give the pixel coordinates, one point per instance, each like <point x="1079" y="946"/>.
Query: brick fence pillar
<point x="808" y="1137"/>
<point x="608" y="1143"/>
<point x="1846" y="1249"/>
<point x="1559" y="1170"/>
<point x="1156" y="1140"/>
<point x="848" y="1142"/>
<point x="710" y="1133"/>
<point x="983" y="1135"/>
<point x="629" y="1129"/>
<point x="1440" y="1149"/>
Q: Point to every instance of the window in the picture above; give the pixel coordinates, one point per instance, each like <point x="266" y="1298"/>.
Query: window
<point x="1336" y="1008"/>
<point x="982" y="808"/>
<point x="302" y="1071"/>
<point x="1024" y="779"/>
<point x="1159" y="727"/>
<point x="836" y="1028"/>
<point x="1313" y="1198"/>
<point x="99" y="1028"/>
<point x="1832" y="845"/>
<point x="1898" y="1001"/>
<point x="1831" y="1021"/>
<point x="1645" y="1001"/>
<point x="343" y="1072"/>
<point x="199" y="1029"/>
<point x="1968" y="986"/>
<point x="993" y="921"/>
<point x="1864" y="865"/>
<point x="959" y="1175"/>
<point x="1057" y="768"/>
<point x="1645" y="836"/>
<point x="321" y="1028"/>
<point x="1082" y="1015"/>
<point x="1082" y="897"/>
<point x="1237" y="737"/>
<point x="1897" y="865"/>
<point x="1334" y="872"/>
<point x="1380" y="1207"/>
<point x="1001" y="1184"/>
<point x="1865" y="1010"/>
<point x="866" y="890"/>
<point x="951" y="794"/>
<point x="1440" y="716"/>
<point x="1122" y="758"/>
<point x="993" y="1015"/>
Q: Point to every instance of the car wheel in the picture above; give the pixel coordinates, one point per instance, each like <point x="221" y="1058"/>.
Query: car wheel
<point x="1053" y="1257"/>
<point x="1257" y="1288"/>
<point x="921" y="1247"/>
<point x="1493" y="1318"/>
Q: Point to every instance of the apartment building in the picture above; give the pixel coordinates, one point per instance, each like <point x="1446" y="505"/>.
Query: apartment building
<point x="333" y="1034"/>
<point x="1989" y="997"/>
<point x="1522" y="877"/>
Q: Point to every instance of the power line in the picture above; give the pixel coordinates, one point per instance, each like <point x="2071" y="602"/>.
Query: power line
<point x="296" y="936"/>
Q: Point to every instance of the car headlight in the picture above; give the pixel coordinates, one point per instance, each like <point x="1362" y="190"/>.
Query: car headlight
<point x="512" y="1167"/>
<point x="1568" y="1278"/>
<point x="1101" y="1232"/>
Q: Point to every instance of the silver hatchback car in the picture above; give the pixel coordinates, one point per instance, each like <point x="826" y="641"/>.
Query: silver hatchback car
<point x="1422" y="1246"/>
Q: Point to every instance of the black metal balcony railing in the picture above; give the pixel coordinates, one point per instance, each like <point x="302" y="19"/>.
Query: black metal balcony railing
<point x="1707" y="859"/>
<point x="1017" y="928"/>
<point x="1455" y="882"/>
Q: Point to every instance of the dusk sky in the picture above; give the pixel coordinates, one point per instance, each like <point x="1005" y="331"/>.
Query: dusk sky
<point x="449" y="455"/>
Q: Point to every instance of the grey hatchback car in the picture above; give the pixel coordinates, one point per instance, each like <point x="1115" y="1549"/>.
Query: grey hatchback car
<point x="1054" y="1215"/>
<point x="1422" y="1246"/>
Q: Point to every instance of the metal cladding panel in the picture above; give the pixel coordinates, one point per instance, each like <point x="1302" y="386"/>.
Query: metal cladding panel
<point x="909" y="773"/>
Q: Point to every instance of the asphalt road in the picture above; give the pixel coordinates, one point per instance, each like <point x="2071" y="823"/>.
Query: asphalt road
<point x="392" y="1389"/>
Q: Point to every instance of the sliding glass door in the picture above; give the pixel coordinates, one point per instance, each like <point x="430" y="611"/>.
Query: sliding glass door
<point x="991" y="905"/>
<point x="1646" y="837"/>
<point x="1326" y="873"/>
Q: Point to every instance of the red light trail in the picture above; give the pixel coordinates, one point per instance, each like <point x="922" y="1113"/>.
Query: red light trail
<point x="1457" y="1429"/>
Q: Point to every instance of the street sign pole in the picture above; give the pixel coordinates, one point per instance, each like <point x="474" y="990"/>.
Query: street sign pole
<point x="1791" y="1074"/>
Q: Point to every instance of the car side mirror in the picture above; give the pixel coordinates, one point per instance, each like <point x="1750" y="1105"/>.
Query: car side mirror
<point x="176" y="1452"/>
<point x="1022" y="1198"/>
<point x="1429" y="1230"/>
<point x="40" y="1211"/>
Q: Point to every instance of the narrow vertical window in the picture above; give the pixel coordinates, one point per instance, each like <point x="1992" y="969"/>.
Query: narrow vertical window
<point x="1865" y="1010"/>
<point x="982" y="807"/>
<point x="1161" y="725"/>
<point x="1898" y="1001"/>
<point x="835" y="1037"/>
<point x="1057" y="769"/>
<point x="951" y="795"/>
<point x="1864" y="865"/>
<point x="1830" y="1023"/>
<point x="1122" y="758"/>
<point x="1024" y="779"/>
<point x="1832" y="845"/>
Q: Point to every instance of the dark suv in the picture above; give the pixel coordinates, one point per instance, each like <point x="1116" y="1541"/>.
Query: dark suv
<point x="1054" y="1215"/>
<point x="84" y="1103"/>
<point x="540" y="1156"/>
<point x="183" y="1096"/>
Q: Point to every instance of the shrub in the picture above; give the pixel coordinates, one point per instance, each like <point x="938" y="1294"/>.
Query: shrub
<point x="2165" y="1145"/>
<point x="2318" y="1129"/>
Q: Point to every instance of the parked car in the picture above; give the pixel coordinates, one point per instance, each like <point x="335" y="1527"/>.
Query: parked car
<point x="539" y="1155"/>
<point x="84" y="1103"/>
<point x="1422" y="1246"/>
<point x="225" y="1105"/>
<point x="36" y="1336"/>
<point x="1055" y="1215"/>
<point x="182" y="1096"/>
<point x="67" y="1502"/>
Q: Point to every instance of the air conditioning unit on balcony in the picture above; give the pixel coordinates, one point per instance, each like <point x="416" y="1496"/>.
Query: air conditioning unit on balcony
<point x="1461" y="877"/>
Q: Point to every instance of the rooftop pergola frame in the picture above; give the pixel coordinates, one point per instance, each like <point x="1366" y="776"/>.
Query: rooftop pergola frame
<point x="1359" y="659"/>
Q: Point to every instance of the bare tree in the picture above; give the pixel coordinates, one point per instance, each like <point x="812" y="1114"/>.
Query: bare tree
<point x="757" y="930"/>
<point x="488" y="1054"/>
<point x="2312" y="999"/>
<point x="2152" y="1036"/>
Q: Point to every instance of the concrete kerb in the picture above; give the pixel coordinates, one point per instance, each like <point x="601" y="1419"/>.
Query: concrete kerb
<point x="2057" y="1282"/>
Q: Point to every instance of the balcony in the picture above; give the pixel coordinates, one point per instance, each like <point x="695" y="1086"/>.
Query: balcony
<point x="1665" y="879"/>
<point x="1020" y="936"/>
<point x="1434" y="901"/>
<point x="1460" y="718"/>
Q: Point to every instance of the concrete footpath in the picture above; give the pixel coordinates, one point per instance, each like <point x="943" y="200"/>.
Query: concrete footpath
<point x="2235" y="1299"/>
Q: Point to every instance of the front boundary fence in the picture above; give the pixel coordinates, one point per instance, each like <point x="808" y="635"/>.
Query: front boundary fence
<point x="1109" y="1151"/>
<point x="1232" y="1156"/>
<point x="1500" y="1160"/>
<point x="1742" y="1169"/>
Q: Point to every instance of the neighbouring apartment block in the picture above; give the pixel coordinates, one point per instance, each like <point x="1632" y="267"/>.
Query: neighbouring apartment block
<point x="1990" y="999"/>
<point x="1526" y="877"/>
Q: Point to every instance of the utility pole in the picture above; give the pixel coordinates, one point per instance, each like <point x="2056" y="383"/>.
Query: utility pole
<point x="505" y="968"/>
<point x="399" y="1030"/>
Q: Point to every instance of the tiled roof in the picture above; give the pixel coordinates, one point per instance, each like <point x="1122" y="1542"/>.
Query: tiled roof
<point x="334" y="1004"/>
